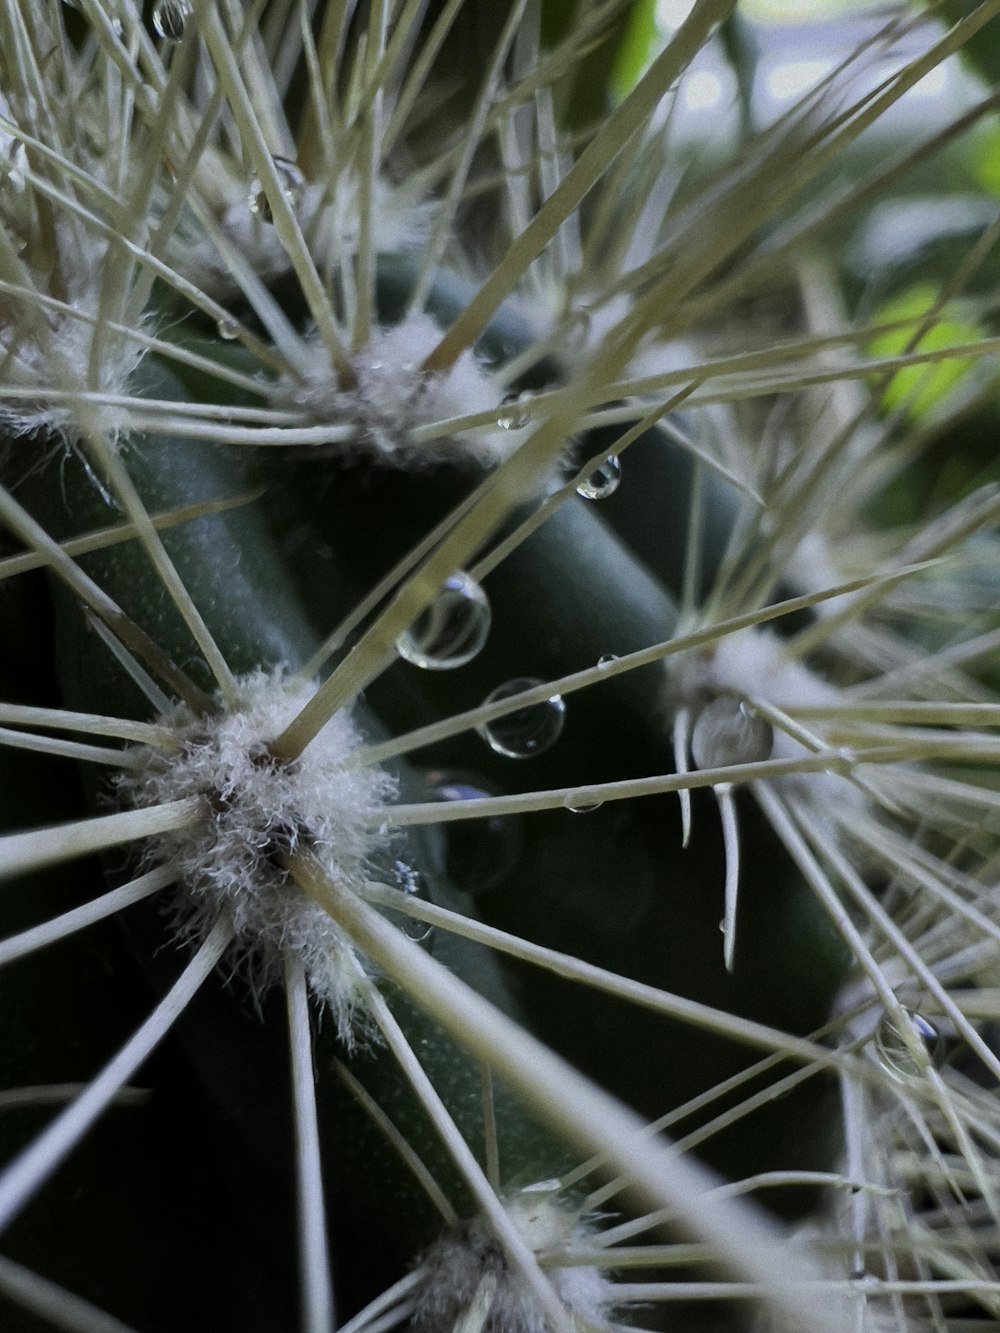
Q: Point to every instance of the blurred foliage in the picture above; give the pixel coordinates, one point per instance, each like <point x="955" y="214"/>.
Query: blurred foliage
<point x="917" y="390"/>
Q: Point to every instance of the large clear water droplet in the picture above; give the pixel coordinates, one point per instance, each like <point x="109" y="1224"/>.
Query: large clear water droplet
<point x="515" y="413"/>
<point x="727" y="731"/>
<point x="893" y="1053"/>
<point x="293" y="185"/>
<point x="605" y="660"/>
<point x="584" y="807"/>
<point x="479" y="853"/>
<point x="525" y="731"/>
<point x="170" y="18"/>
<point x="603" y="481"/>
<point x="452" y="629"/>
<point x="228" y="328"/>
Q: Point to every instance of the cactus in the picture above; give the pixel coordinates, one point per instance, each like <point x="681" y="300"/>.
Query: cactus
<point x="459" y="550"/>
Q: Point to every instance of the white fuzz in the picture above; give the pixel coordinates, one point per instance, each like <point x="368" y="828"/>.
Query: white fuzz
<point x="58" y="358"/>
<point x="46" y="350"/>
<point x="254" y="811"/>
<point x="393" y="395"/>
<point x="457" y="1264"/>
<point x="327" y="214"/>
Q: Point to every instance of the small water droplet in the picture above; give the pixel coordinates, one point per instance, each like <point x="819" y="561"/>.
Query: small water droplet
<point x="514" y="412"/>
<point x="895" y="1056"/>
<point x="293" y="185"/>
<point x="170" y="18"/>
<point x="525" y="731"/>
<point x="584" y="808"/>
<point x="452" y="629"/>
<point x="479" y="853"/>
<point x="577" y="329"/>
<point x="603" y="481"/>
<point x="606" y="659"/>
<point x="728" y="732"/>
<point x="228" y="328"/>
<point x="408" y="880"/>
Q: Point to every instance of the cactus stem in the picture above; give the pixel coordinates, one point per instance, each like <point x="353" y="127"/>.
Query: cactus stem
<point x="147" y="534"/>
<point x="590" y="676"/>
<point x="402" y="1146"/>
<point x="20" y="522"/>
<point x="105" y="537"/>
<point x="25" y="1175"/>
<point x="745" y="1243"/>
<point x="519" y="1253"/>
<point x="703" y="1016"/>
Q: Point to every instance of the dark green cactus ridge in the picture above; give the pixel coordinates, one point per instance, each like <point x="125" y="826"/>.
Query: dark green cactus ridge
<point x="351" y="389"/>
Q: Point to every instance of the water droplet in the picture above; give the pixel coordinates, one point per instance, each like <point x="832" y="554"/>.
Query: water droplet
<point x="603" y="481"/>
<point x="170" y="18"/>
<point x="479" y="853"/>
<point x="228" y="328"/>
<point x="452" y="629"/>
<point x="525" y="731"/>
<point x="893" y="1053"/>
<point x="293" y="185"/>
<point x="514" y="412"/>
<point x="408" y="880"/>
<point x="585" y="808"/>
<point x="728" y="732"/>
<point x="577" y="329"/>
<point x="606" y="659"/>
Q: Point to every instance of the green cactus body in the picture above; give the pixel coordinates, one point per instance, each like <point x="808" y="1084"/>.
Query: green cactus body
<point x="422" y="981"/>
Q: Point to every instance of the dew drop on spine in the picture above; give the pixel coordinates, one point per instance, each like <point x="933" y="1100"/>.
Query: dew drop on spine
<point x="170" y="18"/>
<point x="603" y="481"/>
<point x="452" y="630"/>
<point x="894" y="1053"/>
<point x="524" y="732"/>
<point x="293" y="186"/>
<point x="727" y="731"/>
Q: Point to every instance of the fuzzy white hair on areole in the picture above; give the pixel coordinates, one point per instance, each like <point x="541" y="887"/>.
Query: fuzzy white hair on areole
<point x="456" y="1266"/>
<point x="254" y="810"/>
<point x="328" y="215"/>
<point x="47" y="354"/>
<point x="393" y="395"/>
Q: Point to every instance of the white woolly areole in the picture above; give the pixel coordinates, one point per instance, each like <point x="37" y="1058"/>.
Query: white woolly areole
<point x="457" y="1264"/>
<point x="328" y="214"/>
<point x="253" y="811"/>
<point x="393" y="396"/>
<point x="46" y="351"/>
